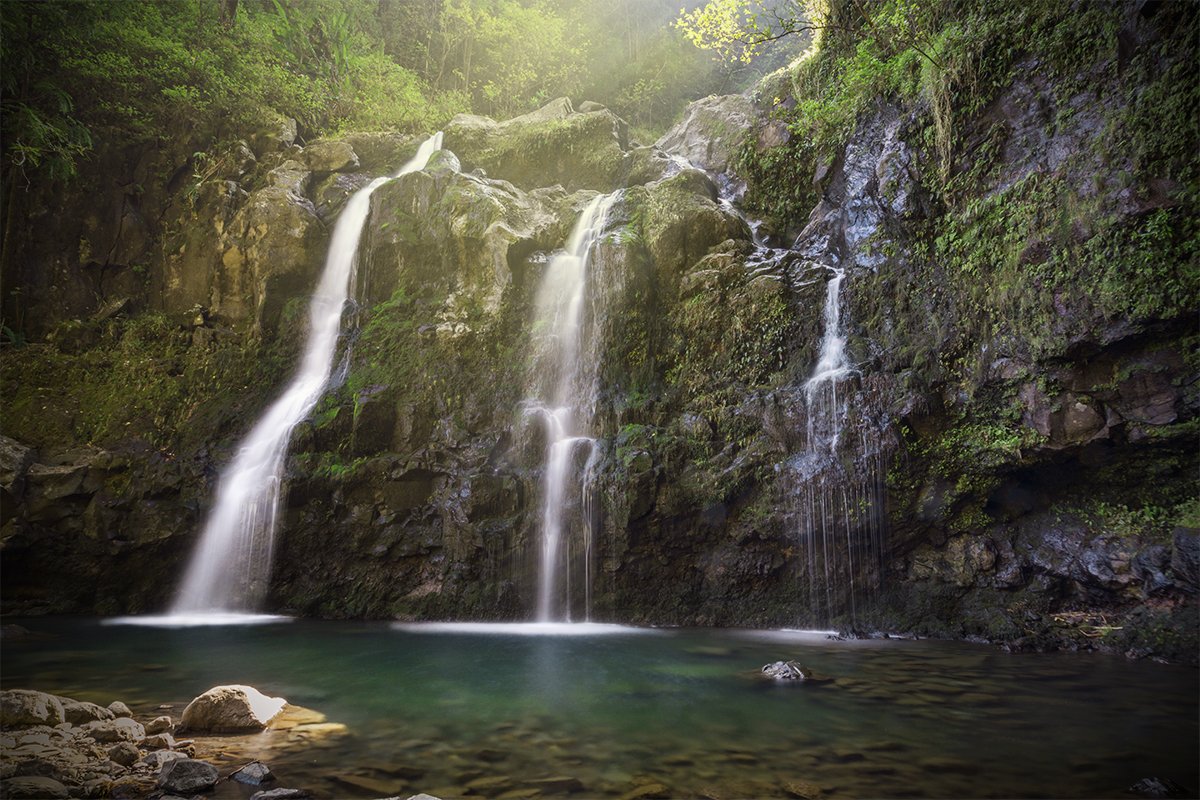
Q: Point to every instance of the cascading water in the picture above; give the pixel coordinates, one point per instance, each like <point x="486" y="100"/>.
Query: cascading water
<point x="821" y="390"/>
<point x="563" y="384"/>
<point x="836" y="489"/>
<point x="231" y="565"/>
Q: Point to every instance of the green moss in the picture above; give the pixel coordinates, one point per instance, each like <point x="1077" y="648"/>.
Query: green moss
<point x="142" y="377"/>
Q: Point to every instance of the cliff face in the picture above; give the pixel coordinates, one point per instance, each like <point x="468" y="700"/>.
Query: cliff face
<point x="1009" y="452"/>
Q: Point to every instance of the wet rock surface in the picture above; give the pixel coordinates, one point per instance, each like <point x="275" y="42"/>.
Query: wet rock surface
<point x="1006" y="424"/>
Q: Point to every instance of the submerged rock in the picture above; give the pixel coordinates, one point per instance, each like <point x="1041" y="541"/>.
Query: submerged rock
<point x="230" y="709"/>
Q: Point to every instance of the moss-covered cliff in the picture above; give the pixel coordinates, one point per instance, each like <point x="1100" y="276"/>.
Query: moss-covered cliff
<point x="1016" y="230"/>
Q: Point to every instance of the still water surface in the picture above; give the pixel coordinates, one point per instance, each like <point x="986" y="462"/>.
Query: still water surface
<point x="437" y="710"/>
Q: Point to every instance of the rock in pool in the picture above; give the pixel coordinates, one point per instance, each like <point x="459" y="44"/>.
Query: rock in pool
<point x="254" y="773"/>
<point x="230" y="709"/>
<point x="787" y="671"/>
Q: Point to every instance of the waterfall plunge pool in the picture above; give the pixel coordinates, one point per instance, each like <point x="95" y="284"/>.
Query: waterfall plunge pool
<point x="617" y="708"/>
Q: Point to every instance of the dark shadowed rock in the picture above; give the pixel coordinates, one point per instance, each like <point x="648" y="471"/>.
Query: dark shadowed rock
<point x="1185" y="557"/>
<point x="187" y="775"/>
<point x="124" y="753"/>
<point x="33" y="788"/>
<point x="1158" y="787"/>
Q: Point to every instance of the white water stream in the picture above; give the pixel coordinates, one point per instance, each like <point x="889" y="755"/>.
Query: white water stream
<point x="566" y="404"/>
<point x="821" y="390"/>
<point x="231" y="564"/>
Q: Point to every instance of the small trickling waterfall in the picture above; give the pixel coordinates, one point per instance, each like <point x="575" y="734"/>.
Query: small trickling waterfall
<point x="825" y="415"/>
<point x="231" y="564"/>
<point x="835" y="486"/>
<point x="562" y="392"/>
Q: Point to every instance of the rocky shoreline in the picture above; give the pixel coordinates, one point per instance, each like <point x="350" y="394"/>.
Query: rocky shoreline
<point x="58" y="747"/>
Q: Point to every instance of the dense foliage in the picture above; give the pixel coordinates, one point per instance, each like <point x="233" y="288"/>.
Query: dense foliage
<point x="79" y="74"/>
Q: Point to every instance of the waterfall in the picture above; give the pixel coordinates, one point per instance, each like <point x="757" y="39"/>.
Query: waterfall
<point x="563" y="390"/>
<point x="821" y="390"/>
<point x="231" y="564"/>
<point x="835" y="488"/>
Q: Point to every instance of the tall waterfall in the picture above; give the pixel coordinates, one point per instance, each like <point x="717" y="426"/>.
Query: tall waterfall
<point x="231" y="565"/>
<point x="563" y="386"/>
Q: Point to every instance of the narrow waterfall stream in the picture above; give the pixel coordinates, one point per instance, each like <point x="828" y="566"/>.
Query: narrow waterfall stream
<point x="230" y="567"/>
<point x="563" y="386"/>
<point x="825" y="416"/>
<point x="835" y="486"/>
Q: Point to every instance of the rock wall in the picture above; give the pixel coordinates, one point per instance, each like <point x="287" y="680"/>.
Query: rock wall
<point x="1029" y="440"/>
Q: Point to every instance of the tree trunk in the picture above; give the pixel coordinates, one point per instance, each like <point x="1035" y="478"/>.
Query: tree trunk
<point x="228" y="12"/>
